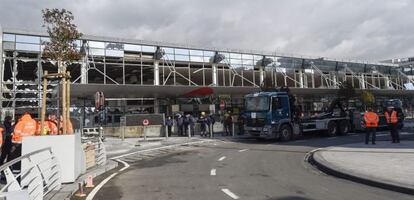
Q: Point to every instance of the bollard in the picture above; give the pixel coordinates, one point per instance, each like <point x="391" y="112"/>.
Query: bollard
<point x="232" y="129"/>
<point x="166" y="132"/>
<point x="211" y="130"/>
<point x="189" y="131"/>
<point x="81" y="193"/>
<point x="89" y="182"/>
<point x="145" y="134"/>
<point x="123" y="133"/>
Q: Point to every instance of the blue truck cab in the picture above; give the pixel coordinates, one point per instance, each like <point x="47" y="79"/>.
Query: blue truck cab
<point x="268" y="115"/>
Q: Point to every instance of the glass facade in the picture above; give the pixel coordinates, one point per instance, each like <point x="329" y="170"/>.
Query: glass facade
<point x="128" y="63"/>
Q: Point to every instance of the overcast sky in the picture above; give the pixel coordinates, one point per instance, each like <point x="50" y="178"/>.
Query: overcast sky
<point x="357" y="29"/>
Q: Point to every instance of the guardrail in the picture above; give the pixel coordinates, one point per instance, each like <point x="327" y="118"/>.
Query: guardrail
<point x="39" y="175"/>
<point x="100" y="153"/>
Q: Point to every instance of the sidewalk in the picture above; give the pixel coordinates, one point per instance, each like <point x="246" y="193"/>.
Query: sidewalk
<point x="384" y="165"/>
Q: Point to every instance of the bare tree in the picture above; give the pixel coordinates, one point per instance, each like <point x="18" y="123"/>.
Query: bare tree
<point x="63" y="34"/>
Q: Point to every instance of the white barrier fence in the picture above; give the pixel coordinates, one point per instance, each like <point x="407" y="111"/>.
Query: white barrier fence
<point x="35" y="180"/>
<point x="95" y="136"/>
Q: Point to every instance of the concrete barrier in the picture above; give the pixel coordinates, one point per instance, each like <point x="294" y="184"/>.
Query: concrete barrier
<point x="135" y="131"/>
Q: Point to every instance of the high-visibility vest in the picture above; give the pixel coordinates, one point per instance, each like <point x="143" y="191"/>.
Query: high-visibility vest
<point x="393" y="119"/>
<point x="45" y="128"/>
<point x="25" y="127"/>
<point x="1" y="136"/>
<point x="69" y="128"/>
<point x="371" y="119"/>
<point x="53" y="129"/>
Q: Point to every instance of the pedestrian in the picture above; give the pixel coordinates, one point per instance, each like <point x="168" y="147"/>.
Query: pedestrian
<point x="210" y="122"/>
<point x="371" y="120"/>
<point x="26" y="126"/>
<point x="203" y="123"/>
<point x="391" y="116"/>
<point x="180" y="124"/>
<point x="7" y="141"/>
<point x="240" y="122"/>
<point x="227" y="120"/>
<point x="52" y="124"/>
<point x="186" y="123"/>
<point x="169" y="123"/>
<point x="192" y="122"/>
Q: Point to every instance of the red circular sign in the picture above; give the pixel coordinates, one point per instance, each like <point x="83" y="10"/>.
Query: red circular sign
<point x="99" y="100"/>
<point x="145" y="122"/>
<point x="222" y="104"/>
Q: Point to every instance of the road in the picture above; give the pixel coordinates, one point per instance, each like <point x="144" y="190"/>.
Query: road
<point x="242" y="169"/>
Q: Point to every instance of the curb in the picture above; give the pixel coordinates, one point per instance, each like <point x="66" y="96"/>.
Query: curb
<point x="329" y="169"/>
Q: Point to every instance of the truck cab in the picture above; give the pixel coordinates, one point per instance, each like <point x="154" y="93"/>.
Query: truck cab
<point x="268" y="115"/>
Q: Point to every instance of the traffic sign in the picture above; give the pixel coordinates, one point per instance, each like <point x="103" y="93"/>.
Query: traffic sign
<point x="99" y="100"/>
<point x="145" y="122"/>
<point x="222" y="104"/>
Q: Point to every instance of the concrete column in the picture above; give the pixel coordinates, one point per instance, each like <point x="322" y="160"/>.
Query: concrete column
<point x="335" y="80"/>
<point x="387" y="82"/>
<point x="362" y="86"/>
<point x="261" y="74"/>
<point x="156" y="106"/>
<point x="214" y="74"/>
<point x="1" y="70"/>
<point x="157" y="72"/>
<point x="301" y="79"/>
<point x="84" y="71"/>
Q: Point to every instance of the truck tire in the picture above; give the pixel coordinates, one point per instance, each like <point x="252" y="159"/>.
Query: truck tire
<point x="343" y="127"/>
<point x="285" y="133"/>
<point x="332" y="129"/>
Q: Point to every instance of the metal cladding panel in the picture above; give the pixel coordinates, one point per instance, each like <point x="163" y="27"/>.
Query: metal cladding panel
<point x="147" y="91"/>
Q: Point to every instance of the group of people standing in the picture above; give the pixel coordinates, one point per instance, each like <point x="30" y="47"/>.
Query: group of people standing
<point x="371" y="121"/>
<point x="186" y="124"/>
<point x="11" y="134"/>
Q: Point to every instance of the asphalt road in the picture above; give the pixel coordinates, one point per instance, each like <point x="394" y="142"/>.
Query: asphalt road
<point x="242" y="169"/>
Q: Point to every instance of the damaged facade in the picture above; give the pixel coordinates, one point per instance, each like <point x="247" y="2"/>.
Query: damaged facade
<point x="150" y="77"/>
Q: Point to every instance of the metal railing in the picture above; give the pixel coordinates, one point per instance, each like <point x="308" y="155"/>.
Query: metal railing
<point x="39" y="175"/>
<point x="100" y="153"/>
<point x="95" y="136"/>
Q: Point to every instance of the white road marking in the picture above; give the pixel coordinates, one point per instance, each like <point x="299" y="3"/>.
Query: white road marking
<point x="158" y="148"/>
<point x="98" y="187"/>
<point x="229" y="193"/>
<point x="126" y="165"/>
<point x="213" y="172"/>
<point x="243" y="150"/>
<point x="331" y="138"/>
<point x="222" y="158"/>
<point x="92" y="194"/>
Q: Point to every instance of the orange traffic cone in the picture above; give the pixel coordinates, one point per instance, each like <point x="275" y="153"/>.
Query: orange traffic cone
<point x="81" y="193"/>
<point x="89" y="182"/>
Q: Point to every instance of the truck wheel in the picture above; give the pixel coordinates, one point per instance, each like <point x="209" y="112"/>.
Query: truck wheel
<point x="285" y="133"/>
<point x="343" y="127"/>
<point x="332" y="129"/>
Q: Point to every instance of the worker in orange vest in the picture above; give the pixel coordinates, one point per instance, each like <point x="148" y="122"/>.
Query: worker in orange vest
<point x="371" y="120"/>
<point x="2" y="130"/>
<point x="52" y="124"/>
<point x="39" y="126"/>
<point x="26" y="126"/>
<point x="391" y="117"/>
<point x="69" y="126"/>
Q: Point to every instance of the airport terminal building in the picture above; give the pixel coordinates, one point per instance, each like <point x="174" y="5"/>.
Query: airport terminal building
<point x="139" y="76"/>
